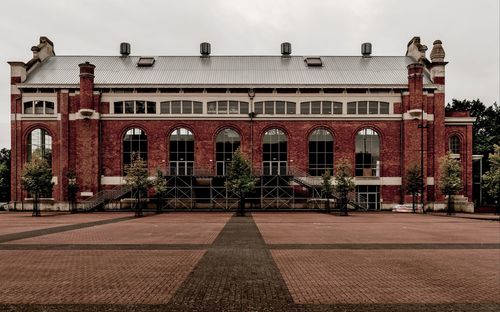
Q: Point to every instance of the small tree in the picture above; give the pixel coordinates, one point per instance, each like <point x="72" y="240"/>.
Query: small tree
<point x="37" y="180"/>
<point x="161" y="187"/>
<point x="344" y="183"/>
<point x="414" y="184"/>
<point x="4" y="175"/>
<point x="491" y="178"/>
<point x="451" y="181"/>
<point x="327" y="189"/>
<point x="136" y="177"/>
<point x="240" y="179"/>
<point x="72" y="190"/>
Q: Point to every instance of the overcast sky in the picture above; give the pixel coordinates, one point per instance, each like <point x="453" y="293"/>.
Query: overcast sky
<point x="469" y="31"/>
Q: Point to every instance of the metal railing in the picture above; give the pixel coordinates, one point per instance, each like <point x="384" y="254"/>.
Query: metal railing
<point x="104" y="197"/>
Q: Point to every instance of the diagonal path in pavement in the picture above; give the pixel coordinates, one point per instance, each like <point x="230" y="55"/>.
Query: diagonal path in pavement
<point x="236" y="273"/>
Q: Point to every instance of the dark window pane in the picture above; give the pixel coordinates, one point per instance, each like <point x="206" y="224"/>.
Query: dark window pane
<point x="151" y="107"/>
<point x="212" y="107"/>
<point x="129" y="107"/>
<point x="233" y="107"/>
<point x="326" y="107"/>
<point x="259" y="107"/>
<point x="49" y="107"/>
<point x="337" y="108"/>
<point x="187" y="107"/>
<point x="222" y="107"/>
<point x="175" y="107"/>
<point x="197" y="108"/>
<point x="362" y="108"/>
<point x="280" y="107"/>
<point x="165" y="107"/>
<point x="384" y="108"/>
<point x="351" y="108"/>
<point x="244" y="108"/>
<point x="304" y="108"/>
<point x="316" y="107"/>
<point x="269" y="107"/>
<point x="140" y="107"/>
<point x="28" y="107"/>
<point x="38" y="107"/>
<point x="290" y="108"/>
<point x="373" y="108"/>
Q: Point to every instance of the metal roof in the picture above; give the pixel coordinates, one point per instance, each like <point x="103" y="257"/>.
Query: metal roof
<point x="227" y="70"/>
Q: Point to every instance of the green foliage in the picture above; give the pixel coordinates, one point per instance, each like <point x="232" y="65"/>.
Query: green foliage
<point x="136" y="175"/>
<point x="239" y="178"/>
<point x="344" y="182"/>
<point x="4" y="175"/>
<point x="451" y="172"/>
<point x="160" y="184"/>
<point x="37" y="177"/>
<point x="492" y="177"/>
<point x="326" y="185"/>
<point x="414" y="180"/>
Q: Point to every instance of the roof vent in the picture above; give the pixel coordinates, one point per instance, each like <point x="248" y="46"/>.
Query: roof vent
<point x="286" y="49"/>
<point x="125" y="49"/>
<point x="146" y="62"/>
<point x="313" y="61"/>
<point x="366" y="49"/>
<point x="205" y="49"/>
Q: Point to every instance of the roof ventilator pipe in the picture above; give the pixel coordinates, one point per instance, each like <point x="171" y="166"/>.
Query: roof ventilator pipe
<point x="286" y="49"/>
<point x="205" y="49"/>
<point x="366" y="49"/>
<point x="125" y="49"/>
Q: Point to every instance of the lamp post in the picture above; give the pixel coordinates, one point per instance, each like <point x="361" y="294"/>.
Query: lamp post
<point x="422" y="126"/>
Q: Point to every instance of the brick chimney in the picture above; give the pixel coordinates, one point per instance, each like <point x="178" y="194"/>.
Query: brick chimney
<point x="415" y="86"/>
<point x="87" y="86"/>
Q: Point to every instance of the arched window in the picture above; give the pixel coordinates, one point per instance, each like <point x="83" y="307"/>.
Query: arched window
<point x="320" y="152"/>
<point x="274" y="152"/>
<point x="226" y="144"/>
<point x="367" y="153"/>
<point x="40" y="143"/>
<point x="181" y="152"/>
<point x="135" y="140"/>
<point x="454" y="145"/>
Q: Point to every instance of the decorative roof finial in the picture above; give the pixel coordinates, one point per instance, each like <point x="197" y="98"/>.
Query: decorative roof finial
<point x="437" y="53"/>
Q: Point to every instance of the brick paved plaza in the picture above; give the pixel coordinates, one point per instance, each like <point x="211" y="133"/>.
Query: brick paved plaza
<point x="262" y="262"/>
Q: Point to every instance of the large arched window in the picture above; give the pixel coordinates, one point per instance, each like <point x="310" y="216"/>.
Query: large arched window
<point x="320" y="152"/>
<point x="40" y="143"/>
<point x="274" y="152"/>
<point x="226" y="144"/>
<point x="367" y="153"/>
<point x="181" y="152"/>
<point x="135" y="140"/>
<point x="454" y="145"/>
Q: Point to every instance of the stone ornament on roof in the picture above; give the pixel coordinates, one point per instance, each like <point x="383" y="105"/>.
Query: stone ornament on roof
<point x="437" y="53"/>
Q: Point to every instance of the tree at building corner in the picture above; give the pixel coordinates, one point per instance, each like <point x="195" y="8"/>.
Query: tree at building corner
<point x="37" y="180"/>
<point x="136" y="177"/>
<point x="344" y="184"/>
<point x="491" y="178"/>
<point x="451" y="179"/>
<point x="240" y="179"/>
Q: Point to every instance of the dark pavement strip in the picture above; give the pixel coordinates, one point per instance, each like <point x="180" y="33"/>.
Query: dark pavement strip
<point x="57" y="229"/>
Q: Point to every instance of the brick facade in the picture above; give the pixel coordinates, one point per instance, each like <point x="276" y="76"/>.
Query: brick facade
<point x="87" y="137"/>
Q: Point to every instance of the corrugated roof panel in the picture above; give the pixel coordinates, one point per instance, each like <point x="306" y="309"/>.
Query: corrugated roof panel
<point x="227" y="70"/>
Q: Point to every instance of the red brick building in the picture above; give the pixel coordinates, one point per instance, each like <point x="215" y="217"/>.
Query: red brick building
<point x="294" y="116"/>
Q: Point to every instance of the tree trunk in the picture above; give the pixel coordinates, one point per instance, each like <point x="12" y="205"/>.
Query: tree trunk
<point x="413" y="202"/>
<point x="343" y="205"/>
<point x="327" y="205"/>
<point x="241" y="208"/>
<point x="449" y="210"/>
<point x="36" y="212"/>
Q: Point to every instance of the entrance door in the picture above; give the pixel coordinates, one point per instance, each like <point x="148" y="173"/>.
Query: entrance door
<point x="368" y="196"/>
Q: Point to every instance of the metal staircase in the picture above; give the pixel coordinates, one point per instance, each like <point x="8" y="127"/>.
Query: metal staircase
<point x="101" y="199"/>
